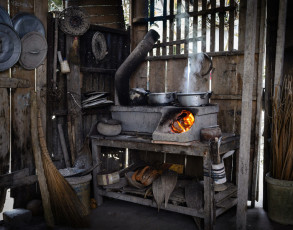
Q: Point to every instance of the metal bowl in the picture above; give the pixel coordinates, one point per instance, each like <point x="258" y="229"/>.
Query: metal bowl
<point x="161" y="98"/>
<point x="194" y="99"/>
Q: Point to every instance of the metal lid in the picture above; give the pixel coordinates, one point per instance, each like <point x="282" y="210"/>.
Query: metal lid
<point x="10" y="47"/>
<point x="24" y="23"/>
<point x="74" y="21"/>
<point x="34" y="50"/>
<point x="4" y="17"/>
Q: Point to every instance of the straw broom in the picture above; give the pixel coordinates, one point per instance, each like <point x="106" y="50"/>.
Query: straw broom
<point x="282" y="139"/>
<point x="66" y="206"/>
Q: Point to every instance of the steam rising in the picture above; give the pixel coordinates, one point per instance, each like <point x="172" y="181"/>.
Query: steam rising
<point x="192" y="80"/>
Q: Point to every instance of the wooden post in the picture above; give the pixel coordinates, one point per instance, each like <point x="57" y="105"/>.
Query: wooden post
<point x="41" y="11"/>
<point x="74" y="97"/>
<point x="21" y="144"/>
<point x="248" y="76"/>
<point x="280" y="46"/>
<point x="39" y="163"/>
<point x="4" y="128"/>
<point x="208" y="192"/>
<point x="258" y="127"/>
<point x="96" y="154"/>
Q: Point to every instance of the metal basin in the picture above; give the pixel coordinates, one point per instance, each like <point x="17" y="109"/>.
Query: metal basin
<point x="194" y="99"/>
<point x="161" y="98"/>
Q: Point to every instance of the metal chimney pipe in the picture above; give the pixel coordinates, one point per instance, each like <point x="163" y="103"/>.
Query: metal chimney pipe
<point x="131" y="63"/>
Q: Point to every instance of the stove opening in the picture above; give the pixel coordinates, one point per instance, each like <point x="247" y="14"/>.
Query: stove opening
<point x="183" y="122"/>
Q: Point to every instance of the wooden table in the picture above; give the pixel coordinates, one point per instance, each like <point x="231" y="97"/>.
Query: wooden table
<point x="214" y="204"/>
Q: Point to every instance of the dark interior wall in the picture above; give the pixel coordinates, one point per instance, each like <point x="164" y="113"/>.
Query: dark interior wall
<point x="288" y="64"/>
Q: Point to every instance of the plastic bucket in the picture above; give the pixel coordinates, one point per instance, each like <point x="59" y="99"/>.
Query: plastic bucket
<point x="81" y="186"/>
<point x="280" y="200"/>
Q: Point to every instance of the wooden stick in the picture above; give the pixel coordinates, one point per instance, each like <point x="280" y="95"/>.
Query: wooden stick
<point x="39" y="163"/>
<point x="55" y="52"/>
<point x="70" y="138"/>
<point x="63" y="145"/>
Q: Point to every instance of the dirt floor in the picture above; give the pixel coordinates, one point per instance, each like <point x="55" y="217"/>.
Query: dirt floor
<point x="114" y="215"/>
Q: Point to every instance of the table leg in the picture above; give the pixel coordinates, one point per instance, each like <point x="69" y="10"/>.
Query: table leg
<point x="96" y="154"/>
<point x="209" y="211"/>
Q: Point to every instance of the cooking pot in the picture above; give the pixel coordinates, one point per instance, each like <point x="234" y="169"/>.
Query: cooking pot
<point x="194" y="98"/>
<point x="138" y="96"/>
<point x="161" y="98"/>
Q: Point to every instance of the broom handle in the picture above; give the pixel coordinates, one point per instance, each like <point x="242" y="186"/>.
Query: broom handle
<point x="39" y="164"/>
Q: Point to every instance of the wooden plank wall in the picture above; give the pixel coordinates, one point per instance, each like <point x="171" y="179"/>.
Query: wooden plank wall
<point x="227" y="93"/>
<point x="107" y="13"/>
<point x="164" y="68"/>
<point x="99" y="76"/>
<point x="95" y="76"/>
<point x="21" y="150"/>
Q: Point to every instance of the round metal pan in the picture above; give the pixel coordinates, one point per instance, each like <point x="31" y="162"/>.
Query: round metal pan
<point x="24" y="23"/>
<point x="10" y="47"/>
<point x="194" y="99"/>
<point x="34" y="50"/>
<point x="4" y="17"/>
<point x="161" y="99"/>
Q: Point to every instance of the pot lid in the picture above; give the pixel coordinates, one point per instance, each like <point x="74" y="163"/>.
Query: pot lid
<point x="10" y="47"/>
<point x="24" y="23"/>
<point x="34" y="50"/>
<point x="4" y="17"/>
<point x="74" y="21"/>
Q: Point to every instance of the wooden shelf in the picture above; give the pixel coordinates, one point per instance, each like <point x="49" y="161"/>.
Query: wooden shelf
<point x="97" y="70"/>
<point x="150" y="203"/>
<point x="215" y="203"/>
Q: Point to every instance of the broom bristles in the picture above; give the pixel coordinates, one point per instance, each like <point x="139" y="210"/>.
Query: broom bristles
<point x="282" y="135"/>
<point x="67" y="207"/>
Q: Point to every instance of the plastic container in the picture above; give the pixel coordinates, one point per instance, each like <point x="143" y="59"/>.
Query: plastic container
<point x="280" y="200"/>
<point x="81" y="186"/>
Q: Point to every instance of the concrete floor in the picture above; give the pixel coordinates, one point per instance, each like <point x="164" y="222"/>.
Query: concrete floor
<point x="120" y="215"/>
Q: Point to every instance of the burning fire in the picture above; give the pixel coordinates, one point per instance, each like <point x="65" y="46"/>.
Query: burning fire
<point x="183" y="122"/>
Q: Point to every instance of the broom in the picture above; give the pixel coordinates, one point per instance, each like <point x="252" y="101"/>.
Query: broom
<point x="66" y="206"/>
<point x="282" y="131"/>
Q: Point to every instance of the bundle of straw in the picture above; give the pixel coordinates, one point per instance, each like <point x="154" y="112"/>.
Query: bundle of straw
<point x="66" y="206"/>
<point x="282" y="131"/>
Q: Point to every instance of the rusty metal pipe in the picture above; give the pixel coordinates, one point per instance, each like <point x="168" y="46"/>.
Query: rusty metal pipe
<point x="131" y="63"/>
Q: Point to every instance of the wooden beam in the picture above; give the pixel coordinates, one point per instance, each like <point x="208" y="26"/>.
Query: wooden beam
<point x="245" y="133"/>
<point x="280" y="46"/>
<point x="97" y="70"/>
<point x="7" y="178"/>
<point x="27" y="180"/>
<point x="14" y="83"/>
<point x="150" y="203"/>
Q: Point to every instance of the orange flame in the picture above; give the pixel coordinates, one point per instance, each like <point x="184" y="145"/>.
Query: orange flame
<point x="183" y="122"/>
